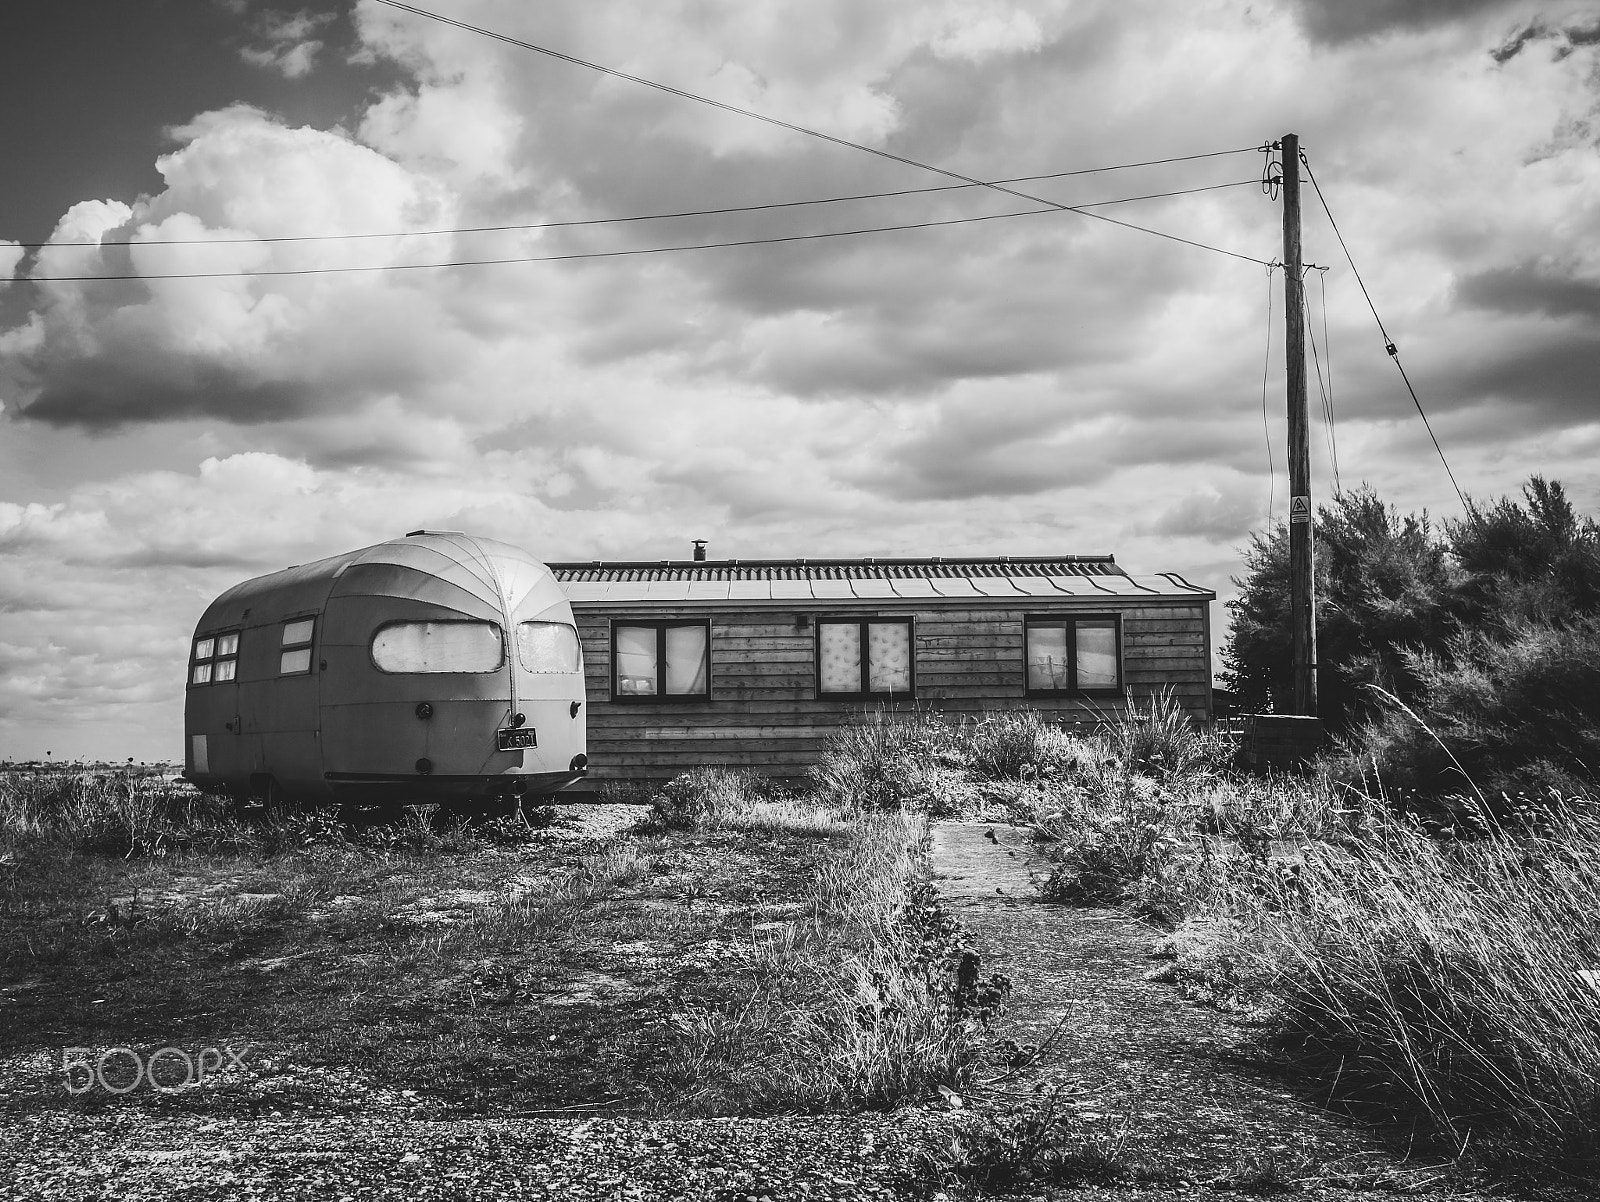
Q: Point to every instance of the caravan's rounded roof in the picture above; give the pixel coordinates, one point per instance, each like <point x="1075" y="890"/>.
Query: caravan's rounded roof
<point x="481" y="577"/>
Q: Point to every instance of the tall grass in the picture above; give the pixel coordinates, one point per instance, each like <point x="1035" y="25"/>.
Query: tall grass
<point x="1159" y="738"/>
<point x="864" y="1000"/>
<point x="45" y="817"/>
<point x="1449" y="974"/>
<point x="119" y="811"/>
<point x="1448" y="971"/>
<point x="889" y="761"/>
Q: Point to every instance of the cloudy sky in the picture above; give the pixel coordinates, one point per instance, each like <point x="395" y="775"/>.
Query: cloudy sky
<point x="1033" y="384"/>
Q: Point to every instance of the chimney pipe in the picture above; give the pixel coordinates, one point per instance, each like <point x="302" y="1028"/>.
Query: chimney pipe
<point x="699" y="550"/>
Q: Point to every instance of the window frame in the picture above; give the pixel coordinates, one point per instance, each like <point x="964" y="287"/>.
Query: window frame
<point x="372" y="642"/>
<point x="660" y="626"/>
<point x="577" y="645"/>
<point x="865" y="693"/>
<point x="211" y="661"/>
<point x="1070" y="622"/>
<point x="308" y="645"/>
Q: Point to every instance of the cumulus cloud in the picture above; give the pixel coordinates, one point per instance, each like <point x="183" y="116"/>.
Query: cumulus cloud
<point x="1216" y="514"/>
<point x="102" y="351"/>
<point x="1335" y="21"/>
<point x="1565" y="38"/>
<point x="286" y="42"/>
<point x="976" y="32"/>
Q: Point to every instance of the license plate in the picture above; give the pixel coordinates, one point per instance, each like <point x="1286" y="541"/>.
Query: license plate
<point x="521" y="736"/>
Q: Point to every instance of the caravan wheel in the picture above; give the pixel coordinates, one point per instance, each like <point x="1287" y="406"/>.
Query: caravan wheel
<point x="276" y="805"/>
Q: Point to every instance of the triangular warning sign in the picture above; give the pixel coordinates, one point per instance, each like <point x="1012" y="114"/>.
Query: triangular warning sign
<point x="1299" y="509"/>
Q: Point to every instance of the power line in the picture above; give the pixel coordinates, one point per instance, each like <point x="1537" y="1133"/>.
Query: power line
<point x="1329" y="415"/>
<point x="600" y="254"/>
<point x="1266" y="429"/>
<point x="1326" y="395"/>
<point x="1388" y="342"/>
<point x="801" y="129"/>
<point x="754" y="208"/>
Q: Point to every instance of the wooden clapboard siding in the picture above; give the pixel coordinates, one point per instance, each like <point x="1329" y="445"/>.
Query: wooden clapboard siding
<point x="764" y="713"/>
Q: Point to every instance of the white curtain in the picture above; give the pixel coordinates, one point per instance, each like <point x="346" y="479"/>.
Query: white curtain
<point x="438" y="647"/>
<point x="839" y="651"/>
<point x="1097" y="655"/>
<point x="686" y="660"/>
<point x="1047" y="657"/>
<point x="549" y="647"/>
<point x="636" y="661"/>
<point x="889" y="657"/>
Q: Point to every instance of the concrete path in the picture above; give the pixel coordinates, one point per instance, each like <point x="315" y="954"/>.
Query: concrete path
<point x="979" y="862"/>
<point x="1175" y="1086"/>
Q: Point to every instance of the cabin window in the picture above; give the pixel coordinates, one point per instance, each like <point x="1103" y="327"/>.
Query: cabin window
<point x="864" y="658"/>
<point x="1074" y="655"/>
<point x="438" y="647"/>
<point x="660" y="660"/>
<point x="549" y="647"/>
<point x="295" y="658"/>
<point x="216" y="659"/>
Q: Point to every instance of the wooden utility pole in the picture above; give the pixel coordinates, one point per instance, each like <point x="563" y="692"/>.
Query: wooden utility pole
<point x="1302" y="555"/>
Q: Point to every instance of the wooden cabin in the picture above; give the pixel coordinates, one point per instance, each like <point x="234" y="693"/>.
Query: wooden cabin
<point x="752" y="663"/>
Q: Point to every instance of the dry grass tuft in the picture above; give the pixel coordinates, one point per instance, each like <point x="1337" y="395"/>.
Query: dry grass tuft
<point x="855" y="1004"/>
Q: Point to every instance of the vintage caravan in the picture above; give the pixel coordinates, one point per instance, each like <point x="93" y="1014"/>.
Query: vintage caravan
<point x="435" y="667"/>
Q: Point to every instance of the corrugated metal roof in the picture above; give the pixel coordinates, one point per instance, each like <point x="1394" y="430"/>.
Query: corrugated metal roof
<point x="934" y="568"/>
<point x="886" y="581"/>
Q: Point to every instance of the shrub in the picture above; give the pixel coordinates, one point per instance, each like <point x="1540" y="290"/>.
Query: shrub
<point x="1103" y="844"/>
<point x="1160" y="739"/>
<point x="703" y="797"/>
<point x="1009" y="744"/>
<point x="889" y="761"/>
<point x="1496" y="715"/>
<point x="1016" y="1150"/>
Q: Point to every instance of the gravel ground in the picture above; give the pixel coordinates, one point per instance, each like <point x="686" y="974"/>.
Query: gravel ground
<point x="128" y="1157"/>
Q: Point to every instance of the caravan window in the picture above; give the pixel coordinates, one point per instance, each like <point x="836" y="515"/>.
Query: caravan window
<point x="549" y="647"/>
<point x="215" y="658"/>
<point x="438" y="647"/>
<point x="295" y="658"/>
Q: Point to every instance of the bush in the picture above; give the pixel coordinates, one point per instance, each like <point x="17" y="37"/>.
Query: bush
<point x="1160" y="739"/>
<point x="1009" y="744"/>
<point x="1105" y="842"/>
<point x="1020" y="1149"/>
<point x="890" y="761"/>
<point x="1496" y="715"/>
<point x="700" y="797"/>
